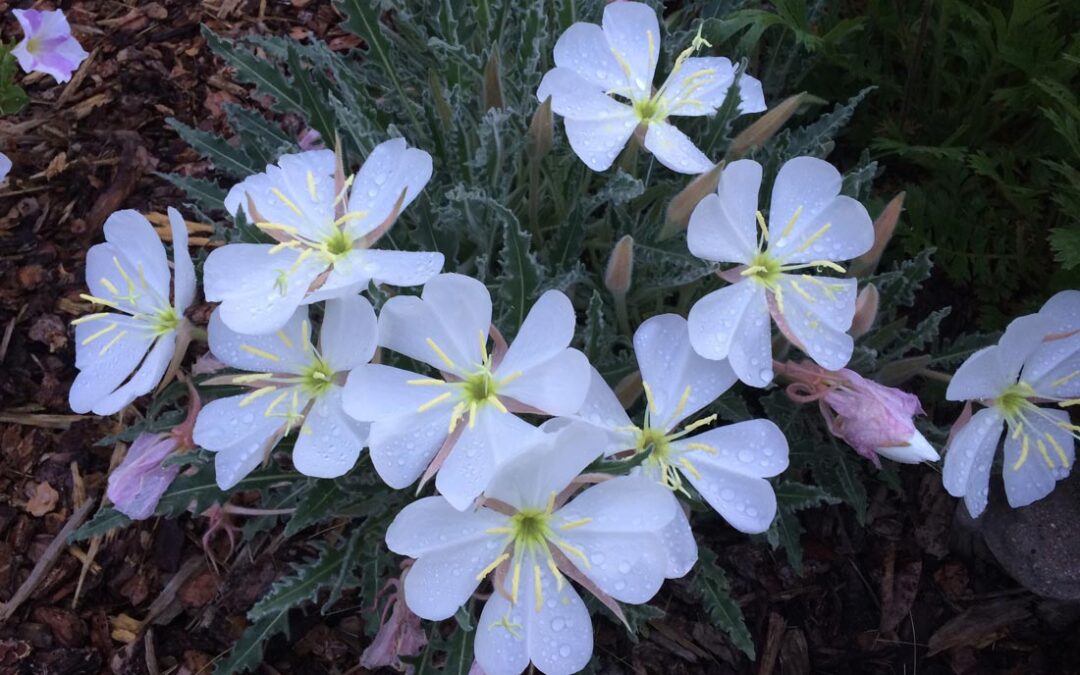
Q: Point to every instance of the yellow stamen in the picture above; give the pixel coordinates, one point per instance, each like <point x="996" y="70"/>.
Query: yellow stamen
<point x="515" y="581"/>
<point x="791" y="223"/>
<point x="99" y="301"/>
<point x="277" y="248"/>
<point x="1025" y="448"/>
<point x="311" y="185"/>
<point x="91" y="338"/>
<point x="538" y="587"/>
<point x="1064" y="404"/>
<point x="1018" y="430"/>
<point x="253" y="377"/>
<point x="110" y="343"/>
<point x="1060" y="450"/>
<point x="262" y="391"/>
<point x="555" y="572"/>
<point x="814" y="237"/>
<point x="90" y="317"/>
<point x="701" y="446"/>
<point x="689" y="466"/>
<point x="573" y="550"/>
<point x="499" y="530"/>
<point x="434" y="402"/>
<point x="279" y="227"/>
<point x="494" y="400"/>
<point x="649" y="397"/>
<point x="509" y="378"/>
<point x="260" y="353"/>
<point x="1045" y="454"/>
<point x="762" y="225"/>
<point x="778" y="293"/>
<point x="682" y="403"/>
<point x="287" y="202"/>
<point x="704" y="421"/>
<point x="274" y="404"/>
<point x="455" y="415"/>
<point x="472" y="414"/>
<point x="351" y="215"/>
<point x="285" y="340"/>
<point x="490" y="568"/>
<point x="1062" y="380"/>
<point x="109" y="286"/>
<point x="441" y="354"/>
<point x="425" y="381"/>
<point x="575" y="523"/>
<point x="801" y="291"/>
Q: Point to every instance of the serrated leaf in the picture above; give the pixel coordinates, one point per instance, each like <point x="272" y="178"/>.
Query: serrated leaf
<point x="793" y="496"/>
<point x="225" y="157"/>
<point x="786" y="533"/>
<point x="711" y="584"/>
<point x="521" y="273"/>
<point x="253" y="70"/>
<point x="332" y="568"/>
<point x="319" y="114"/>
<point x="262" y="139"/>
<point x="318" y="504"/>
<point x="247" y="653"/>
<point x="105" y="520"/>
<point x="207" y="195"/>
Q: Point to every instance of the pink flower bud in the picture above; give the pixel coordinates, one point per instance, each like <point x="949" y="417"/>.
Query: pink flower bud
<point x="875" y="419"/>
<point x="136" y="486"/>
<point x="620" y="268"/>
<point x="400" y="635"/>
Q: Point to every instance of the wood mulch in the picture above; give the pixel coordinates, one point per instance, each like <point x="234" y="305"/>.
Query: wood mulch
<point x="906" y="593"/>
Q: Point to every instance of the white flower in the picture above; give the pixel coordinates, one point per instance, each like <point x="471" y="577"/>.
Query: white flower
<point x="812" y="225"/>
<point x="324" y="231"/>
<point x="294" y="386"/>
<point x="595" y="64"/>
<point x="123" y="356"/>
<point x="5" y="167"/>
<point x="607" y="538"/>
<point x="727" y="465"/>
<point x="1036" y="361"/>
<point x="466" y="411"/>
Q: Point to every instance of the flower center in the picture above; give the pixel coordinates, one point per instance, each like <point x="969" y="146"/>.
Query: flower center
<point x="339" y="243"/>
<point x="165" y="321"/>
<point x="33" y="45"/>
<point x="317" y="377"/>
<point x="479" y="388"/>
<point x="1014" y="399"/>
<point x="764" y="269"/>
<point x="530" y="528"/>
<point x="650" y="110"/>
<point x="657" y="439"/>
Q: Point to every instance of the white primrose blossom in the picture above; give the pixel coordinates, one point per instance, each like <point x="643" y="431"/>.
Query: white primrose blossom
<point x="294" y="386"/>
<point x="811" y="225"/>
<point x="123" y="356"/>
<point x="467" y="412"/>
<point x="596" y="64"/>
<point x="1037" y="361"/>
<point x="530" y="539"/>
<point x="325" y="226"/>
<point x="727" y="465"/>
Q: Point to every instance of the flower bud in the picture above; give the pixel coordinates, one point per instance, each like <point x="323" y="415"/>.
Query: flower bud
<point x="763" y="129"/>
<point x="136" y="486"/>
<point x="917" y="450"/>
<point x="620" y="268"/>
<point x="493" y="92"/>
<point x="540" y="131"/>
<point x="866" y="309"/>
<point x="682" y="205"/>
<point x="884" y="227"/>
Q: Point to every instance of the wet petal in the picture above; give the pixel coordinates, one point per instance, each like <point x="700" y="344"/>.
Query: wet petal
<point x="969" y="457"/>
<point x="329" y="442"/>
<point x="350" y="333"/>
<point x="392" y="169"/>
<point x="633" y="34"/>
<point x="675" y="150"/>
<point x="722" y="227"/>
<point x="597" y="142"/>
<point x="818" y="311"/>
<point x="733" y="323"/>
<point x="483" y="447"/>
<point x="146" y="377"/>
<point x="747" y="503"/>
<point x="753" y="448"/>
<point x="432" y="524"/>
<point x="298" y="192"/>
<point x="583" y="49"/>
<point x="283" y="351"/>
<point x="556" y="386"/>
<point x="1041" y="454"/>
<point x="402" y="447"/>
<point x="547" y="466"/>
<point x="546" y="331"/>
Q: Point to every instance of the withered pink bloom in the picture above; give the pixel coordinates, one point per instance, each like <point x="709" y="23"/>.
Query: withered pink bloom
<point x="870" y="417"/>
<point x="400" y="635"/>
<point x="136" y="486"/>
<point x="48" y="46"/>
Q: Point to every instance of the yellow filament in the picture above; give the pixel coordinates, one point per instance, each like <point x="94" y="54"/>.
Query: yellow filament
<point x="274" y="404"/>
<point x="814" y="237"/>
<point x="801" y="291"/>
<point x="510" y="378"/>
<point x="110" y="343"/>
<point x="704" y="421"/>
<point x="311" y="185"/>
<point x="434" y="402"/>
<point x="1064" y="404"/>
<point x="1060" y="450"/>
<point x="538" y="587"/>
<point x="284" y="339"/>
<point x="253" y="377"/>
<point x="287" y="202"/>
<point x="689" y="466"/>
<point x="791" y="223"/>
<point x="762" y="225"/>
<point x="90" y="317"/>
<point x="682" y="403"/>
<point x="260" y="353"/>
<point x="425" y="381"/>
<point x="701" y="446"/>
<point x="261" y="391"/>
<point x="649" y="397"/>
<point x="1045" y="454"/>
<point x="573" y="550"/>
<point x="99" y="301"/>
<point x="277" y="248"/>
<point x="494" y="563"/>
<point x="498" y="404"/>
<point x="109" y="286"/>
<point x="91" y="338"/>
<point x="555" y="572"/>
<point x="441" y="354"/>
<point x="575" y="523"/>
<point x="778" y="293"/>
<point x="515" y="581"/>
<point x="1025" y="448"/>
<point x="1062" y="380"/>
<point x="281" y="227"/>
<point x="351" y="215"/>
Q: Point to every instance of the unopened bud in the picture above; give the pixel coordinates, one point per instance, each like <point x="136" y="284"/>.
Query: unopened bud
<point x="884" y="227"/>
<point x="682" y="205"/>
<point x="866" y="309"/>
<point x="540" y="131"/>
<point x="899" y="372"/>
<point x="620" y="268"/>
<point x="765" y="127"/>
<point x="493" y="94"/>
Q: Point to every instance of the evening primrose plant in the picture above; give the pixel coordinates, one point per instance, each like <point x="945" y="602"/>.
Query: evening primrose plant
<point x="533" y="392"/>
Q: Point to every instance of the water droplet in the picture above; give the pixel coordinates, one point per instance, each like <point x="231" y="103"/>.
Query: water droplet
<point x="624" y="567"/>
<point x="564" y="651"/>
<point x="746" y="456"/>
<point x="557" y="624"/>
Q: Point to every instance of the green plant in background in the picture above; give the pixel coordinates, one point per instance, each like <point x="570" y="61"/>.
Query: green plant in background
<point x="976" y="113"/>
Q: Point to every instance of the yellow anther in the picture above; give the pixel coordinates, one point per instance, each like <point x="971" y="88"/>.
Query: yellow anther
<point x="753" y="269"/>
<point x="274" y="404"/>
<point x="689" y="466"/>
<point x="351" y="215"/>
<point x="90" y="317"/>
<point x="1062" y="380"/>
<point x="682" y="403"/>
<point x="515" y="580"/>
<point x="109" y="286"/>
<point x="287" y="202"/>
<point x="575" y="523"/>
<point x="555" y="572"/>
<point x="260" y="353"/>
<point x="1018" y="430"/>
<point x="277" y="248"/>
<point x="704" y="421"/>
<point x="494" y="400"/>
<point x="434" y="402"/>
<point x="490" y="568"/>
<point x="509" y="378"/>
<point x="472" y="414"/>
<point x="801" y="291"/>
<point x="791" y="223"/>
<point x="1044" y="453"/>
<point x="551" y="501"/>
<point x="538" y="587"/>
<point x="103" y="331"/>
<point x="814" y="237"/>
<point x="701" y="446"/>
<point x="499" y="530"/>
<point x="761" y="223"/>
<point x="99" y="301"/>
<point x="276" y="227"/>
<point x="1025" y="448"/>
<point x="261" y="391"/>
<point x="623" y="64"/>
<point x="116" y="338"/>
<point x="573" y="550"/>
<point x="253" y="377"/>
<point x="455" y="415"/>
<point x="311" y="186"/>
<point x="441" y="354"/>
<point x="1060" y="450"/>
<point x="425" y="381"/>
<point x="778" y="293"/>
<point x="285" y="340"/>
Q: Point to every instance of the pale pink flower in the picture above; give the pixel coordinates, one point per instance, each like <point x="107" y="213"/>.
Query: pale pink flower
<point x="5" y="167"/>
<point x="400" y="635"/>
<point x="48" y="46"/>
<point x="870" y="417"/>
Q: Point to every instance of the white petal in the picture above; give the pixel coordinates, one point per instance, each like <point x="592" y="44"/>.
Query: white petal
<point x="576" y="98"/>
<point x="223" y="423"/>
<point x="753" y="448"/>
<point x="819" y="314"/>
<point x="556" y="386"/>
<point x="601" y="407"/>
<point x="806" y="185"/>
<point x="1031" y="475"/>
<point x="675" y="150"/>
<point x="392" y="169"/>
<point x="628" y="566"/>
<point x="297" y="192"/>
<point x="454" y="313"/>
<point x="1063" y="311"/>
<point x="402" y="447"/>
<point x="916" y="451"/>
<point x="547" y="330"/>
<point x="483" y="447"/>
<point x="432" y="524"/>
<point x="673" y="370"/>
<point x="234" y="463"/>
<point x="350" y="333"/>
<point x="733" y="323"/>
<point x="699" y="87"/>
<point x="597" y="142"/>
<point x="969" y="457"/>
<point x="1053" y="369"/>
<point x="399" y="268"/>
<point x="279" y="352"/>
<point x="329" y="442"/>
<point x="682" y="552"/>
<point x="374" y="392"/>
<point x="633" y="34"/>
<point x="548" y="466"/>
<point x="751" y="95"/>
<point x="747" y="503"/>
<point x="627" y="504"/>
<point x="146" y="377"/>
<point x="101" y="373"/>
<point x="988" y="371"/>
<point x="841" y="230"/>
<point x="109" y="270"/>
<point x="723" y="227"/>
<point x="247" y="280"/>
<point x="441" y="581"/>
<point x="555" y="633"/>
<point x="140" y="247"/>
<point x="184" y="284"/>
<point x="584" y="49"/>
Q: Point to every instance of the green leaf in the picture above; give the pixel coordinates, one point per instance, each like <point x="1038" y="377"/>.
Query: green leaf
<point x="333" y="568"/>
<point x="793" y="496"/>
<point x="710" y="583"/>
<point x="200" y="491"/>
<point x="267" y="79"/>
<point x="208" y="196"/>
<point x="247" y="654"/>
<point x="105" y="520"/>
<point x="521" y="273"/>
<point x="786" y="533"/>
<point x="261" y="139"/>
<point x="12" y="97"/>
<point x="459" y="652"/>
<point x="319" y="503"/>
<point x="319" y="113"/>
<point x="225" y="157"/>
